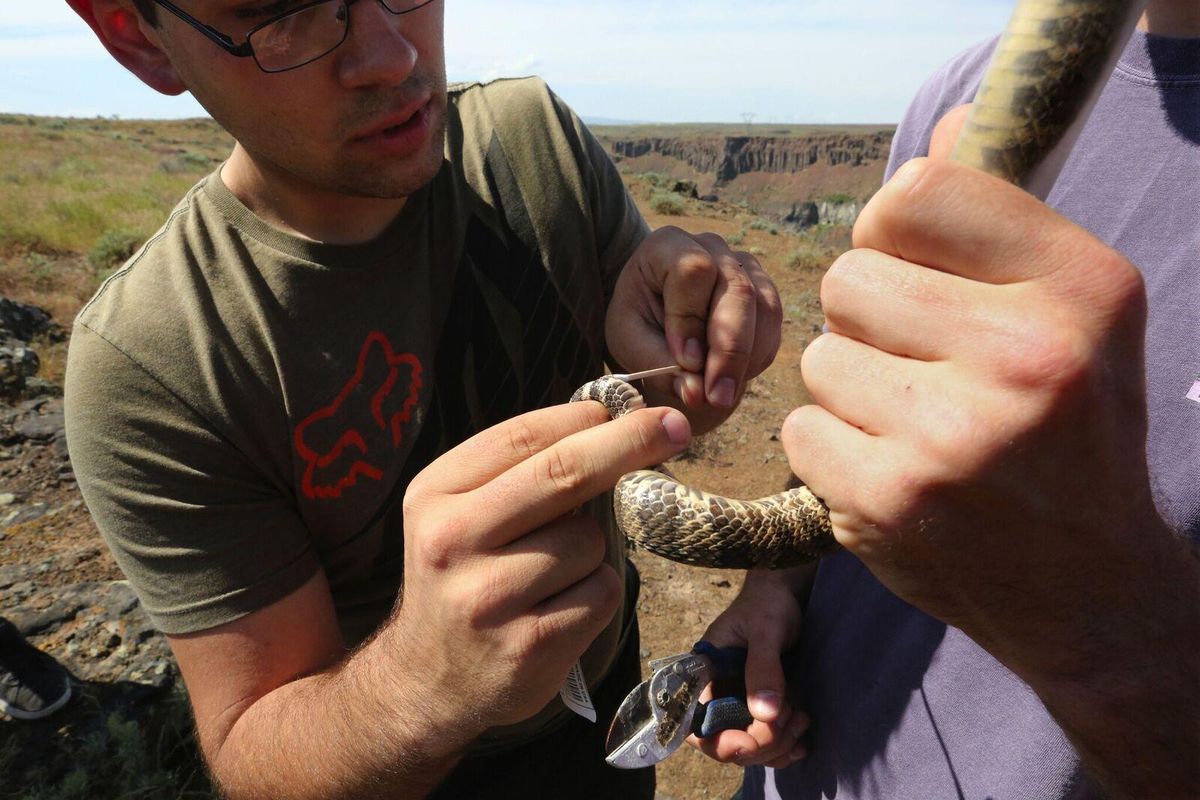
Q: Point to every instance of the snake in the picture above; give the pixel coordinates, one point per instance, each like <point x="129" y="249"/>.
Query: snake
<point x="1046" y="73"/>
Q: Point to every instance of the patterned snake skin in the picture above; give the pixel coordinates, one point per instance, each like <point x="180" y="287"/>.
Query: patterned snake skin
<point x="1048" y="69"/>
<point x="659" y="514"/>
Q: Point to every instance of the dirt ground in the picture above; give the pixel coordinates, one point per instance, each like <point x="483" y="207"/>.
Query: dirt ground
<point x="743" y="459"/>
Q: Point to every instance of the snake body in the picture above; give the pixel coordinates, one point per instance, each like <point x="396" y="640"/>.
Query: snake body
<point x="667" y="518"/>
<point x="1047" y="71"/>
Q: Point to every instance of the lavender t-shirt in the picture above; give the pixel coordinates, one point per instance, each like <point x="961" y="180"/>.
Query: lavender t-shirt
<point x="902" y="705"/>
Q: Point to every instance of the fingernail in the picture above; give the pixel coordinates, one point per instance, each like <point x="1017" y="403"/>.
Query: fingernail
<point x="765" y="705"/>
<point x="689" y="388"/>
<point x="723" y="393"/>
<point x="693" y="355"/>
<point x="677" y="427"/>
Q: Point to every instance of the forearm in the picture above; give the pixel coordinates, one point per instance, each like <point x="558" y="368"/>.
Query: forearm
<point x="1132" y="706"/>
<point x="355" y="730"/>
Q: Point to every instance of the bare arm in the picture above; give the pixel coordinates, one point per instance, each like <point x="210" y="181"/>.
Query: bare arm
<point x="283" y="711"/>
<point x="504" y="589"/>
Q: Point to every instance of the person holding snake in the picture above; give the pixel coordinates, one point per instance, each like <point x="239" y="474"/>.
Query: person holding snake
<point x="1006" y="435"/>
<point x="320" y="417"/>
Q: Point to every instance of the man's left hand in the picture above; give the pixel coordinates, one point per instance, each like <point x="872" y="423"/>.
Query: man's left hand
<point x="690" y="300"/>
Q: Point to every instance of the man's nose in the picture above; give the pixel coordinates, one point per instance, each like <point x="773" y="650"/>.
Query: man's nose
<point x="376" y="52"/>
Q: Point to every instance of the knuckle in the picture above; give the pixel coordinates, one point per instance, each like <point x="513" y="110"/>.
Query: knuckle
<point x="437" y="545"/>
<point x="1048" y="356"/>
<point x="770" y="304"/>
<point x="1123" y="282"/>
<point x="487" y="594"/>
<point x="522" y="440"/>
<point x="419" y="494"/>
<point x="695" y="265"/>
<point x="813" y="359"/>
<point x="711" y="240"/>
<point x="561" y="471"/>
<point x="841" y="280"/>
<point x="733" y="348"/>
<point x="739" y="286"/>
<point x="538" y="632"/>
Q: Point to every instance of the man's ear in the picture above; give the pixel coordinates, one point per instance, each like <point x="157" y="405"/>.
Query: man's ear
<point x="119" y="28"/>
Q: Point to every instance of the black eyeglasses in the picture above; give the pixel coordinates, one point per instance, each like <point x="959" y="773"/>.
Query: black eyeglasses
<point x="294" y="38"/>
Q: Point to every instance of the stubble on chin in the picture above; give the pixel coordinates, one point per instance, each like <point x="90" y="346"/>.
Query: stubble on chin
<point x="407" y="176"/>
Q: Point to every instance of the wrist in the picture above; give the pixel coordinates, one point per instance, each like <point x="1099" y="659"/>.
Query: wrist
<point x="417" y="699"/>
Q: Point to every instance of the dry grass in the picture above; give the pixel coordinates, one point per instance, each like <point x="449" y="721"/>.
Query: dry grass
<point x="67" y="182"/>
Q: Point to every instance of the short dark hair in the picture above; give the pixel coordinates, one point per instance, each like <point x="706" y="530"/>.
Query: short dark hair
<point x="148" y="10"/>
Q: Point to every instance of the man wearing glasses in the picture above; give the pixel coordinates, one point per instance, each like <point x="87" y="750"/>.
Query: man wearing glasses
<point x="309" y="388"/>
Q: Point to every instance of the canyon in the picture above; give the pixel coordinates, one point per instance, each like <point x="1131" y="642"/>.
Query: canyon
<point x="797" y="177"/>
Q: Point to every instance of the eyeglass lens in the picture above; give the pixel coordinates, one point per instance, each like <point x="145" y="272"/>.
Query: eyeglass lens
<point x="310" y="32"/>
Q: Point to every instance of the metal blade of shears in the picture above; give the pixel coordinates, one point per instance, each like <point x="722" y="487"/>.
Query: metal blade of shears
<point x="656" y="717"/>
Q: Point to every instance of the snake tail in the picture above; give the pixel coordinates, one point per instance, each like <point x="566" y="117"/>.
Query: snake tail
<point x="1047" y="72"/>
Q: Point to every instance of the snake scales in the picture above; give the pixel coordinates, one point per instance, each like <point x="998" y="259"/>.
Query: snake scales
<point x="659" y="514"/>
<point x="1047" y="71"/>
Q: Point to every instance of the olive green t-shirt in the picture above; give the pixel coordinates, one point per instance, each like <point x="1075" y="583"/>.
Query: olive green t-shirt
<point x="245" y="407"/>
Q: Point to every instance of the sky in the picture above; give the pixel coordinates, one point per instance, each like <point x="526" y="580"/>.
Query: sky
<point x="783" y="61"/>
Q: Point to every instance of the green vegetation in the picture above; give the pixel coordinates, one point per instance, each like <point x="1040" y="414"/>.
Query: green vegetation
<point x="837" y="199"/>
<point x="113" y="248"/>
<point x="66" y="183"/>
<point x="117" y="759"/>
<point x="670" y="203"/>
<point x="806" y="302"/>
<point x="807" y="259"/>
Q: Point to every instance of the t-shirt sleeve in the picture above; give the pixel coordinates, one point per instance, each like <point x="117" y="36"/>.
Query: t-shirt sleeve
<point x="954" y="84"/>
<point x="202" y="534"/>
<point x="619" y="226"/>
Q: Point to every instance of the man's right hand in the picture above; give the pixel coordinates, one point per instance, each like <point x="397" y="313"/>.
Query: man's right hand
<point x="504" y="586"/>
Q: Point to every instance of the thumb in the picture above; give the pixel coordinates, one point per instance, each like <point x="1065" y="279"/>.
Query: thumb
<point x="765" y="681"/>
<point x="945" y="135"/>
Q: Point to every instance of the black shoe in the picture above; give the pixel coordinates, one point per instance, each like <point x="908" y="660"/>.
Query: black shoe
<point x="32" y="684"/>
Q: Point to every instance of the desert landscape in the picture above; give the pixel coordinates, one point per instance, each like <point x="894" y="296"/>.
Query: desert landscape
<point x="79" y="195"/>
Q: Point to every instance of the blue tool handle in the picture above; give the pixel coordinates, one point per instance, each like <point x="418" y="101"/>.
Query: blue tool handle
<point x="722" y="714"/>
<point x="727" y="662"/>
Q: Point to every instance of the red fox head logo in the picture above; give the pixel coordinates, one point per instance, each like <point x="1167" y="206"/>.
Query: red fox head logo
<point x="353" y="435"/>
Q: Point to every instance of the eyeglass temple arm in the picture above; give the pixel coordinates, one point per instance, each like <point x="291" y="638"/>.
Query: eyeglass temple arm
<point x="241" y="50"/>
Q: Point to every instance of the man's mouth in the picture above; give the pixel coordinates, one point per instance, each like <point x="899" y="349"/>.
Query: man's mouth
<point x="397" y="124"/>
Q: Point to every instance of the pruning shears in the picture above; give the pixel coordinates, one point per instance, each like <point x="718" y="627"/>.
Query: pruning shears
<point x="657" y="716"/>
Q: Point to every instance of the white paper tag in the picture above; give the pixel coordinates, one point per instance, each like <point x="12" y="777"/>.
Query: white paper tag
<point x="1194" y="394"/>
<point x="574" y="693"/>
